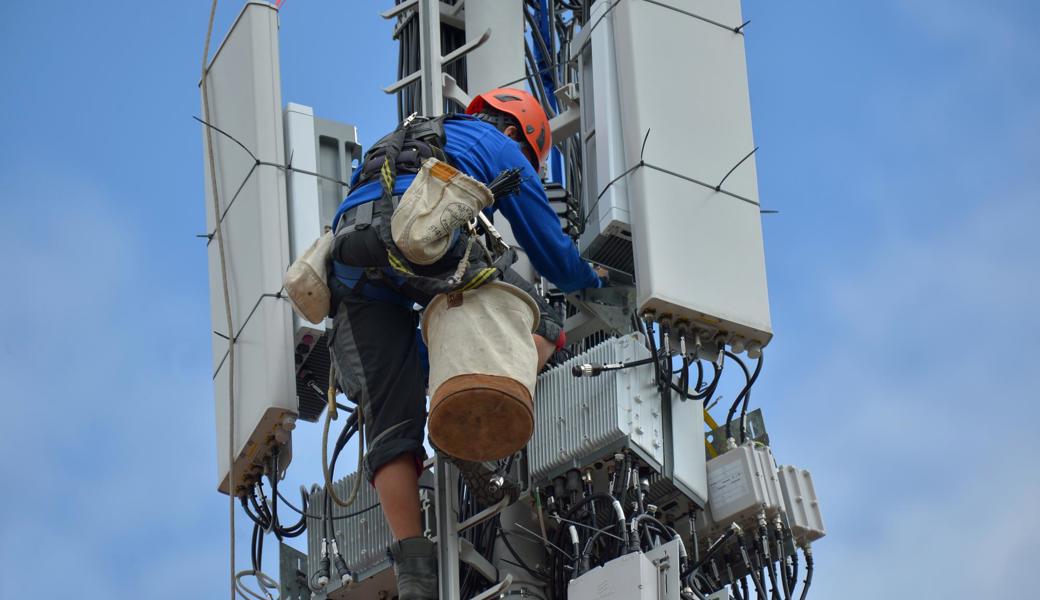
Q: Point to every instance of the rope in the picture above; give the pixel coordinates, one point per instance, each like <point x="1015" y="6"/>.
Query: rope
<point x="464" y="263"/>
<point x="330" y="414"/>
<point x="227" y="304"/>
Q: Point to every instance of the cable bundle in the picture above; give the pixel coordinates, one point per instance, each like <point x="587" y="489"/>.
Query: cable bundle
<point x="506" y="184"/>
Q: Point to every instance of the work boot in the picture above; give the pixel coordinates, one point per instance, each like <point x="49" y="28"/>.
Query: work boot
<point x="415" y="563"/>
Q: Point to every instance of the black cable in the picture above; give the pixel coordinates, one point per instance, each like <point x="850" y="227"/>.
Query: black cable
<point x="260" y="506"/>
<point x="558" y="536"/>
<point x="256" y="542"/>
<point x="712" y="551"/>
<point x="793" y="575"/>
<point x="708" y="391"/>
<point x="734" y="590"/>
<point x="666" y="532"/>
<point x="273" y="478"/>
<point x="687" y="395"/>
<point x="808" y="573"/>
<point x="653" y="352"/>
<point x="747" y="398"/>
<point x="684" y="377"/>
<point x="771" y="571"/>
<point x="536" y="35"/>
<point x="596" y="369"/>
<point x="348" y="431"/>
<point x="252" y="516"/>
<point x="338" y="517"/>
<point x="781" y="558"/>
<point x="752" y="569"/>
<point x="520" y="561"/>
<point x="740" y="396"/>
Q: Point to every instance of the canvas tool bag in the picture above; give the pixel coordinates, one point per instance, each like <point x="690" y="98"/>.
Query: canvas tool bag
<point x="483" y="369"/>
<point x="305" y="283"/>
<point x="439" y="201"/>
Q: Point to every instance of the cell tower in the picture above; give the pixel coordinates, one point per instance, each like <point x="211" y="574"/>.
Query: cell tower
<point x="629" y="487"/>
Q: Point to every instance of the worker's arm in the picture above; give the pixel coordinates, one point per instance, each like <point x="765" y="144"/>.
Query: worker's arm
<point x="479" y="150"/>
<point x="537" y="229"/>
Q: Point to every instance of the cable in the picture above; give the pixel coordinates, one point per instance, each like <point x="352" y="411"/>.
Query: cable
<point x="227" y="301"/>
<point x="712" y="550"/>
<point x="595" y="369"/>
<point x="747" y="397"/>
<point x="684" y="376"/>
<point x="297" y="528"/>
<point x="767" y="562"/>
<point x="337" y="517"/>
<point x="781" y="558"/>
<point x="329" y="415"/>
<point x="808" y="570"/>
<point x="573" y="510"/>
<point x="265" y="581"/>
<point x="756" y="577"/>
<point x="740" y="396"/>
<point x="520" y="561"/>
<point x="252" y="516"/>
<point x="793" y="575"/>
<point x="655" y="357"/>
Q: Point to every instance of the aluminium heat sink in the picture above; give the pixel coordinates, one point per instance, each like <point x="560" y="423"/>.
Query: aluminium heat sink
<point x="363" y="541"/>
<point x="582" y="420"/>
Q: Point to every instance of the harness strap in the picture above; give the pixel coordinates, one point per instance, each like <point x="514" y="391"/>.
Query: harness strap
<point x="464" y="278"/>
<point x="363" y="216"/>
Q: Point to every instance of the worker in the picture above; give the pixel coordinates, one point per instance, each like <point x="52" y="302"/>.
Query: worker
<point x="375" y="346"/>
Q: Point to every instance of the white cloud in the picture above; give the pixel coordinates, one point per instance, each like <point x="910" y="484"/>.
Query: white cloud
<point x="110" y="468"/>
<point x="921" y="402"/>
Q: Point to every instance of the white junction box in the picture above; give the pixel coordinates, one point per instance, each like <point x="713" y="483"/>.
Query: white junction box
<point x="803" y="508"/>
<point x="741" y="484"/>
<point x="698" y="250"/>
<point x="245" y="101"/>
<point x="653" y="575"/>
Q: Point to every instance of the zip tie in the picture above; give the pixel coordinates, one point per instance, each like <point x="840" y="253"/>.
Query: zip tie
<point x="737" y="30"/>
<point x="749" y="154"/>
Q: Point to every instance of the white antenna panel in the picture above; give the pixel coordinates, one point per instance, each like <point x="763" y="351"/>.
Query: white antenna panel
<point x="682" y="77"/>
<point x="245" y="101"/>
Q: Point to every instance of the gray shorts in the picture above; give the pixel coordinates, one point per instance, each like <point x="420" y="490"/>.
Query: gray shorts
<point x="376" y="349"/>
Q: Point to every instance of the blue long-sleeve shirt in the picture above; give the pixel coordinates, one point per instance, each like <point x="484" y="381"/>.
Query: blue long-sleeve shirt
<point x="479" y="150"/>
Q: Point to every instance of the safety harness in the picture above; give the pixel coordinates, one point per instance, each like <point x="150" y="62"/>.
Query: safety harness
<point x="404" y="151"/>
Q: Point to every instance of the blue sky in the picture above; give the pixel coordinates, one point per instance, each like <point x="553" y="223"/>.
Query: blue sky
<point x="900" y="140"/>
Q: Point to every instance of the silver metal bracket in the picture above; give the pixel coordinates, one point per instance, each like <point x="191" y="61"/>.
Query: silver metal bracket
<point x="469" y="555"/>
<point x="568" y="121"/>
<point x="602" y="309"/>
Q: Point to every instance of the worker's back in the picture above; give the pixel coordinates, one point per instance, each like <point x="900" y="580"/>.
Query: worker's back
<point x="481" y="151"/>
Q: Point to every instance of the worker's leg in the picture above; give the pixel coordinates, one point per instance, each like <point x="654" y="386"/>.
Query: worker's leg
<point x="398" y="486"/>
<point x="377" y="355"/>
<point x="545" y="349"/>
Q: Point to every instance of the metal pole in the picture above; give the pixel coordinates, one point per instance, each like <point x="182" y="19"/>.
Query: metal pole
<point x="447" y="528"/>
<point x="500" y="60"/>
<point x="430" y="57"/>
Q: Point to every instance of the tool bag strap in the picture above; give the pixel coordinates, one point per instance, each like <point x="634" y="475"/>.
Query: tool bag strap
<point x="472" y="278"/>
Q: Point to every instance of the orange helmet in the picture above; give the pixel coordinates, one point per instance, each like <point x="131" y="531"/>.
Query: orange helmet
<point x="526" y="110"/>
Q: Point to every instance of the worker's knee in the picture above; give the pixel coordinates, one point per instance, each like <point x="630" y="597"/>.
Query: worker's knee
<point x="545" y="349"/>
<point x="399" y="456"/>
